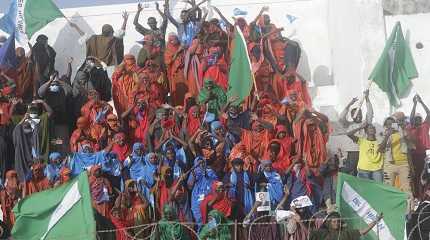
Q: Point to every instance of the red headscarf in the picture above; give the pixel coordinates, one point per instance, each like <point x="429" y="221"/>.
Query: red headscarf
<point x="122" y="151"/>
<point x="222" y="203"/>
<point x="193" y="123"/>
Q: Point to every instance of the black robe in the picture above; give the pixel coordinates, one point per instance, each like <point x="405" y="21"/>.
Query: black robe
<point x="97" y="79"/>
<point x="24" y="142"/>
<point x="44" y="57"/>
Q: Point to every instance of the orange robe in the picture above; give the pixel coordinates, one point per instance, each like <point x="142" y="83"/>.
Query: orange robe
<point x="175" y="74"/>
<point x="36" y="185"/>
<point x="284" y="89"/>
<point x="193" y="67"/>
<point x="123" y="84"/>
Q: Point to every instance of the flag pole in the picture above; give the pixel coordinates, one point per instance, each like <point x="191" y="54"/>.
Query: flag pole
<point x="255" y="86"/>
<point x="362" y="99"/>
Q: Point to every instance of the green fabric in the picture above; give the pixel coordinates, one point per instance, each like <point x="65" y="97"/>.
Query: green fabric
<point x="38" y="13"/>
<point x="221" y="232"/>
<point x="34" y="213"/>
<point x="395" y="67"/>
<point x="360" y="201"/>
<point x="218" y="100"/>
<point x="345" y="234"/>
<point x="167" y="230"/>
<point x="240" y="75"/>
<point x="44" y="137"/>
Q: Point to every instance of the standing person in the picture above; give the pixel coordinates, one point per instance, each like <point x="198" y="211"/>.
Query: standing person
<point x="200" y="181"/>
<point x="38" y="182"/>
<point x="332" y="229"/>
<point x="371" y="158"/>
<point x="329" y="170"/>
<point x="396" y="157"/>
<point x="240" y="190"/>
<point x="418" y="133"/>
<point x="343" y="126"/>
<point x="190" y="25"/>
<point x="217" y="228"/>
<point x="10" y="196"/>
<point x="43" y="56"/>
<point x="169" y="228"/>
<point x="108" y="46"/>
<point x="57" y="95"/>
<point x="31" y="138"/>
<point x="124" y="81"/>
<point x="24" y="76"/>
<point x="213" y="96"/>
<point x="174" y="60"/>
<point x="91" y="76"/>
<point x="157" y="32"/>
<point x="101" y="190"/>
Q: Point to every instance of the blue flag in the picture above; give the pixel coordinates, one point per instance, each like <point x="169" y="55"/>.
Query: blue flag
<point x="7" y="22"/>
<point x="8" y="57"/>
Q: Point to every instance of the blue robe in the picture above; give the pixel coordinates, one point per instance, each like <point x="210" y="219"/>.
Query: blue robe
<point x="240" y="190"/>
<point x="82" y="161"/>
<point x="201" y="188"/>
<point x="142" y="171"/>
<point x="52" y="172"/>
<point x="275" y="187"/>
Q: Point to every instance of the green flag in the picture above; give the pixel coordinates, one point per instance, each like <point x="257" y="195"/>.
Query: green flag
<point x="64" y="212"/>
<point x="395" y="67"/>
<point x="360" y="201"/>
<point x="240" y="75"/>
<point x="38" y="13"/>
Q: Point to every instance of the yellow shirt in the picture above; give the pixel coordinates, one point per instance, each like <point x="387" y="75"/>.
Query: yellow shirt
<point x="370" y="159"/>
<point x="399" y="157"/>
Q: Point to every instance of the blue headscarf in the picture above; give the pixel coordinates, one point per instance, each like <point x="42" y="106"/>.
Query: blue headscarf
<point x="135" y="163"/>
<point x="202" y="187"/>
<point x="52" y="170"/>
<point x="248" y="200"/>
<point x="275" y="187"/>
<point x="147" y="180"/>
<point x="215" y="125"/>
<point x="111" y="165"/>
<point x="83" y="160"/>
<point x="181" y="159"/>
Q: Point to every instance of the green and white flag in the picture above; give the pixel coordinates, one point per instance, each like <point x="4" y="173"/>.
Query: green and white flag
<point x="64" y="212"/>
<point x="360" y="201"/>
<point x="240" y="77"/>
<point x="26" y="17"/>
<point x="395" y="67"/>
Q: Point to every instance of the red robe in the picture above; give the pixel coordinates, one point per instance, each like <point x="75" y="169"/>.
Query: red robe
<point x="222" y="204"/>
<point x="175" y="73"/>
<point x="123" y="84"/>
<point x="283" y="160"/>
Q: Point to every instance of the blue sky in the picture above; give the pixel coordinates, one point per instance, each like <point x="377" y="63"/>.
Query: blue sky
<point x="75" y="3"/>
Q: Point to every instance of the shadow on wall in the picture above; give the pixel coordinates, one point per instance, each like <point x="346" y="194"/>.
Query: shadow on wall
<point x="66" y="36"/>
<point x="322" y="77"/>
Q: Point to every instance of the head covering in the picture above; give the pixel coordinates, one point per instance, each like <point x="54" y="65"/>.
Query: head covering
<point x="171" y="230"/>
<point x="41" y="37"/>
<point x="215" y="125"/>
<point x="222" y="202"/>
<point x="237" y="161"/>
<point x="222" y="227"/>
<point x="54" y="155"/>
<point x="107" y="30"/>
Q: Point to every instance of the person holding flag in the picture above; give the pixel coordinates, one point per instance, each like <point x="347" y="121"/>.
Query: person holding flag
<point x="332" y="229"/>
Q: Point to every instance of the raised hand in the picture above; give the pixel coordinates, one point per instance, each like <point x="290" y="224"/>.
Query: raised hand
<point x="139" y="7"/>
<point x="125" y="15"/>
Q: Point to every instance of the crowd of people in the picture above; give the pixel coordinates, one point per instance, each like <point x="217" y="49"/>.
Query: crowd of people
<point x="162" y="143"/>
